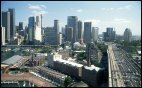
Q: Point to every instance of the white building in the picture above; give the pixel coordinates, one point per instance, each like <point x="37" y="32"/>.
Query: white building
<point x="52" y="57"/>
<point x="3" y="35"/>
<point x="95" y="33"/>
<point x="38" y="35"/>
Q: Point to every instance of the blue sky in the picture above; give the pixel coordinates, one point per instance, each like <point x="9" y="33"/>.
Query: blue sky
<point x="117" y="14"/>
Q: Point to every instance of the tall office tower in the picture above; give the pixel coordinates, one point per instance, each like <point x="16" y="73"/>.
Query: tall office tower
<point x="127" y="35"/>
<point x="65" y="35"/>
<point x="63" y="30"/>
<point x="2" y="35"/>
<point x="6" y="24"/>
<point x="72" y="21"/>
<point x="60" y="38"/>
<point x="31" y="29"/>
<point x="95" y="33"/>
<point x="38" y="36"/>
<point x="50" y="36"/>
<point x="80" y="31"/>
<point x="12" y="23"/>
<point x="69" y="34"/>
<point x="87" y="32"/>
<point x="41" y="20"/>
<point x="56" y="28"/>
<point x="20" y="25"/>
<point x="21" y="30"/>
<point x="110" y="33"/>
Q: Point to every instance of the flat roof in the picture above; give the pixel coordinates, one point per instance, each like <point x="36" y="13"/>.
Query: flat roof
<point x="12" y="60"/>
<point x="92" y="67"/>
<point x="69" y="62"/>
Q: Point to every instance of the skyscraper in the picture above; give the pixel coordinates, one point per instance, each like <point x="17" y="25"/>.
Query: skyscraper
<point x="127" y="35"/>
<point x="80" y="31"/>
<point x="87" y="32"/>
<point x="31" y="29"/>
<point x="95" y="33"/>
<point x="56" y="28"/>
<point x="69" y="34"/>
<point x="12" y="23"/>
<point x="38" y="36"/>
<point x="72" y="21"/>
<point x="109" y="35"/>
<point x="6" y="24"/>
<point x="2" y="35"/>
<point x="20" y="25"/>
<point x="50" y="36"/>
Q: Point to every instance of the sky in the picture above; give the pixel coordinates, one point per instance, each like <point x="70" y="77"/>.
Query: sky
<point x="117" y="14"/>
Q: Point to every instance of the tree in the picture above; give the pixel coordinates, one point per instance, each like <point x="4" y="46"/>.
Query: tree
<point x="67" y="81"/>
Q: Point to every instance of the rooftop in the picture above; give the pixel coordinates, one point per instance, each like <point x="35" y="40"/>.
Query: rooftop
<point x="92" y="67"/>
<point x="12" y="60"/>
<point x="69" y="62"/>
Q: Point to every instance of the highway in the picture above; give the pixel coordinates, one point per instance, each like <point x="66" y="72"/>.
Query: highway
<point x="130" y="72"/>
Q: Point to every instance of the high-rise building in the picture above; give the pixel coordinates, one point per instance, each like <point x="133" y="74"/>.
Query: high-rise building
<point x="20" y="25"/>
<point x="80" y="31"/>
<point x="21" y="30"/>
<point x="56" y="26"/>
<point x="60" y="38"/>
<point x="12" y="23"/>
<point x="50" y="36"/>
<point x="87" y="32"/>
<point x="127" y="35"/>
<point x="72" y="21"/>
<point x="95" y="33"/>
<point x="2" y="35"/>
<point x="6" y="24"/>
<point x="31" y="29"/>
<point x="109" y="35"/>
<point x="69" y="34"/>
<point x="38" y="36"/>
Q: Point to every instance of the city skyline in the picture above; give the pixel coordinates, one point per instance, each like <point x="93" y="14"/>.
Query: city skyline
<point x="102" y="14"/>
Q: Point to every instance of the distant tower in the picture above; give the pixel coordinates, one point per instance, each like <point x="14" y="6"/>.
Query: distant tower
<point x="80" y="31"/>
<point x="127" y="35"/>
<point x="6" y="24"/>
<point x="41" y="20"/>
<point x="72" y="21"/>
<point x="31" y="29"/>
<point x="87" y="32"/>
<point x="12" y="23"/>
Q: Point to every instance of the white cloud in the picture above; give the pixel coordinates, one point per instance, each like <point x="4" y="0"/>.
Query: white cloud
<point x="107" y="9"/>
<point x="37" y="7"/>
<point x="119" y="20"/>
<point x="127" y="7"/>
<point x="35" y="12"/>
<point x="79" y="10"/>
<point x="43" y="6"/>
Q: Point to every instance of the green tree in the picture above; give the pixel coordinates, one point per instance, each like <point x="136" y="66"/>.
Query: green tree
<point x="67" y="81"/>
